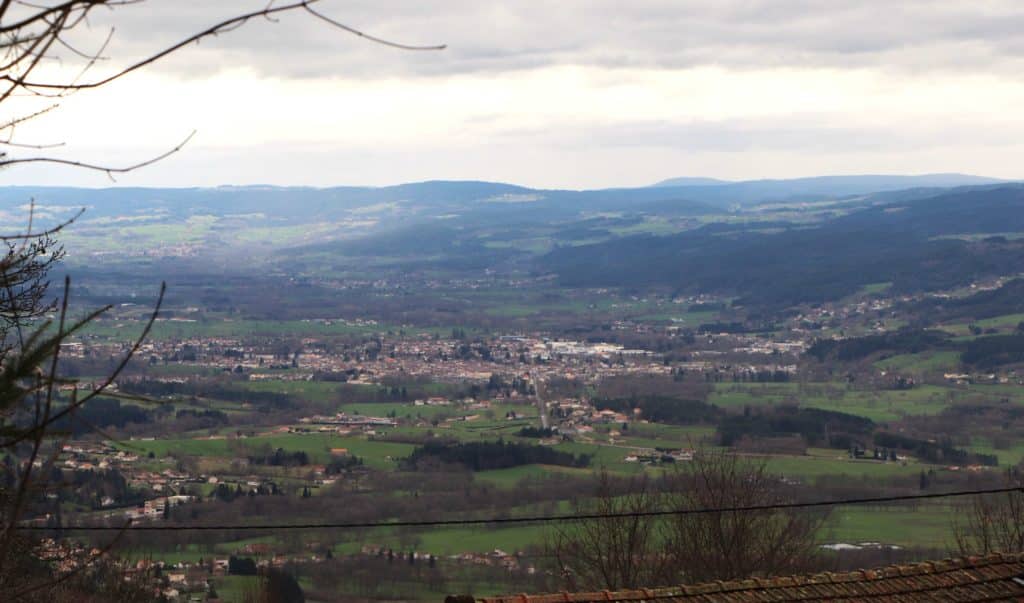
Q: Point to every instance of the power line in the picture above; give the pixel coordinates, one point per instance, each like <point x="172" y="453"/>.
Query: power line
<point x="429" y="523"/>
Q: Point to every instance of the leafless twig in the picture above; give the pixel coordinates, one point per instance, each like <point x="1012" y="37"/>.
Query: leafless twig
<point x="25" y="42"/>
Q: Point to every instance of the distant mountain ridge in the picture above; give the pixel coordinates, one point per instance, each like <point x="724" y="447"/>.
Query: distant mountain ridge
<point x="682" y="238"/>
<point x="684" y="195"/>
<point x="755" y="191"/>
<point x="693" y="181"/>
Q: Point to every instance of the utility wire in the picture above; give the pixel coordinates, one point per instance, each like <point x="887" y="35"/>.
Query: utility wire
<point x="430" y="523"/>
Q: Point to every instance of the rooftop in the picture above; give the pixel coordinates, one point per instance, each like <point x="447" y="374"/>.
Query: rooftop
<point x="996" y="577"/>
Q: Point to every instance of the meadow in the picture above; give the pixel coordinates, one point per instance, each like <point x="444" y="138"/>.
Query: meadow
<point x="375" y="453"/>
<point x="879" y="405"/>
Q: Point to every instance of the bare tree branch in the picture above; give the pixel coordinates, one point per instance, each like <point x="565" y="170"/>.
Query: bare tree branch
<point x="108" y="170"/>
<point x="367" y="36"/>
<point x="222" y="27"/>
<point x="28" y="41"/>
<point x="50" y="231"/>
<point x="41" y="427"/>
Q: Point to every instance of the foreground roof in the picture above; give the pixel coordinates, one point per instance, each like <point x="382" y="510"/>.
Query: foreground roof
<point x="996" y="577"/>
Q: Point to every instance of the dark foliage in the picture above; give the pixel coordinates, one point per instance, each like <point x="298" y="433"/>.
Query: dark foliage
<point x="816" y="426"/>
<point x="536" y="432"/>
<point x="24" y="281"/>
<point x="281" y="587"/>
<point x="906" y="341"/>
<point x="102" y="413"/>
<point x="88" y="488"/>
<point x="220" y="391"/>
<point x="241" y="566"/>
<point x="342" y="464"/>
<point x="211" y="416"/>
<point x="990" y="352"/>
<point x="481" y="456"/>
<point x="281" y="458"/>
<point x="934" y="452"/>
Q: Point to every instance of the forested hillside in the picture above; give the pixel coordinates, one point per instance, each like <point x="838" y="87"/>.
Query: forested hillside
<point x="923" y="244"/>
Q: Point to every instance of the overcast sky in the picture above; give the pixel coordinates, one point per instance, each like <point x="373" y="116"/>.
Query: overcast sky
<point x="568" y="94"/>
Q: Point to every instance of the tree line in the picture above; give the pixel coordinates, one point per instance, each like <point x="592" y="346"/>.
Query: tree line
<point x="483" y="456"/>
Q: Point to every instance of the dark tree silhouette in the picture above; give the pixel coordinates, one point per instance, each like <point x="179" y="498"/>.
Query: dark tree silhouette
<point x="635" y="549"/>
<point x="992" y="523"/>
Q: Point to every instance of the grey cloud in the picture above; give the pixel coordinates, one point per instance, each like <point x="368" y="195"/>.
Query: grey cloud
<point x="505" y="35"/>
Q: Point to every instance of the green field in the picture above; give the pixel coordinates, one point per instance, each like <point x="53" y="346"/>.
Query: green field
<point x="380" y="454"/>
<point x="511" y="477"/>
<point x="234" y="588"/>
<point x="1003" y="324"/>
<point x="920" y="363"/>
<point x="874" y="288"/>
<point x="878" y="405"/>
<point x="924" y="526"/>
<point x="1009" y="456"/>
<point x="314" y="391"/>
<point x="819" y="462"/>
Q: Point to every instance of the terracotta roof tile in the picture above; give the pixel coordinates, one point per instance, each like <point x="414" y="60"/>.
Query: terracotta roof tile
<point x="969" y="579"/>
